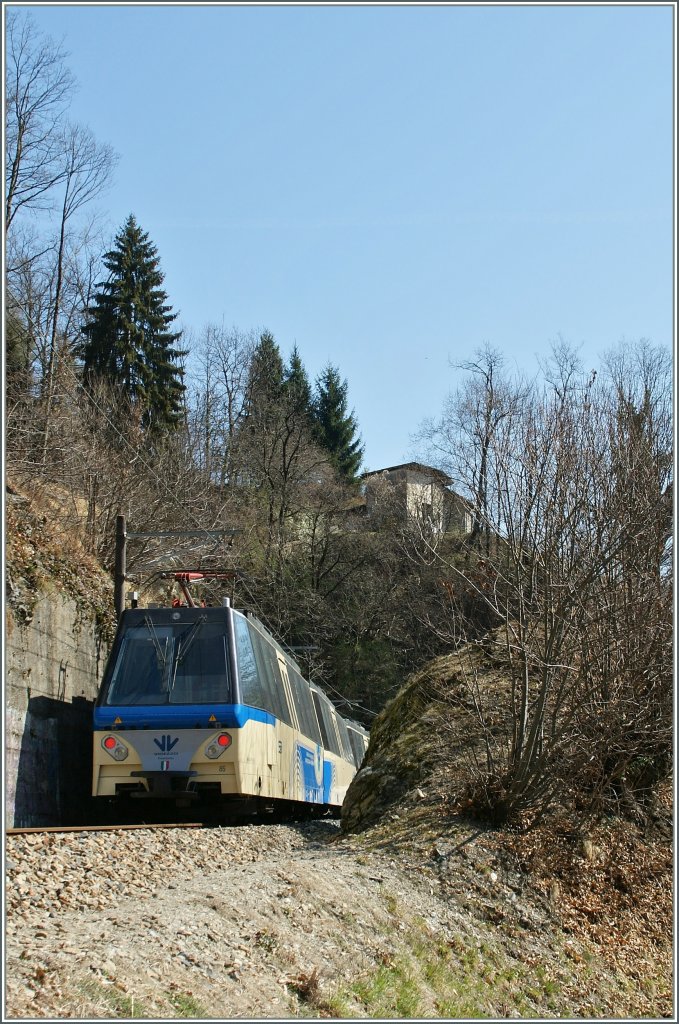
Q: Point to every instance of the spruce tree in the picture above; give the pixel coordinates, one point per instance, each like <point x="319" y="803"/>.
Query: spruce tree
<point x="265" y="383"/>
<point x="128" y="340"/>
<point x="336" y="427"/>
<point x="297" y="386"/>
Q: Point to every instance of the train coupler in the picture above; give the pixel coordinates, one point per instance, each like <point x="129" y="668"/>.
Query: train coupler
<point x="163" y="785"/>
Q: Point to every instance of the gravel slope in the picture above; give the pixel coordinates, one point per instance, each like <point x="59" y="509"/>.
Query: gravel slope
<point x="225" y="920"/>
<point x="279" y="921"/>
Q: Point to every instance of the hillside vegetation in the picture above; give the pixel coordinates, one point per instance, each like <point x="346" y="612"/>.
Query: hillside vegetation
<point x="598" y="889"/>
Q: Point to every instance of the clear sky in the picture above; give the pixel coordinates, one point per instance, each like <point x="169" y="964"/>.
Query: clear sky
<point x="392" y="187"/>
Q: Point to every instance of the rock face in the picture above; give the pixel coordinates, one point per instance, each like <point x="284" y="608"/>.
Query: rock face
<point x="400" y="755"/>
<point x="425" y="736"/>
<point x="57" y="633"/>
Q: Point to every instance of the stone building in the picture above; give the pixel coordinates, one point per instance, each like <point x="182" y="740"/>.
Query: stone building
<point x="418" y="491"/>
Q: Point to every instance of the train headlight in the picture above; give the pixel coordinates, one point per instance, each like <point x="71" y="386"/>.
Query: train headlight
<point x="218" y="745"/>
<point x="115" y="748"/>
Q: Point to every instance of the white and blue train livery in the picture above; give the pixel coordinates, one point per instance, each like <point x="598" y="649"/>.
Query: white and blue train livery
<point x="202" y="704"/>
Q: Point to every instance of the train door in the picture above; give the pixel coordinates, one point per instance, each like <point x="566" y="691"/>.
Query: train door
<point x="283" y="668"/>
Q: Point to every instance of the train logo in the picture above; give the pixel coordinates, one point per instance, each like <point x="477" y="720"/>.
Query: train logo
<point x="166" y="743"/>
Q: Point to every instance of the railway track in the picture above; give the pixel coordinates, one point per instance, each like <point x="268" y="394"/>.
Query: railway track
<point x="104" y="828"/>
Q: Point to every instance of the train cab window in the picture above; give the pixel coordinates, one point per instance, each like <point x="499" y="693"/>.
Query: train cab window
<point x="170" y="664"/>
<point x="260" y="681"/>
<point x="139" y="674"/>
<point x="304" y="706"/>
<point x="325" y="720"/>
<point x="199" y="669"/>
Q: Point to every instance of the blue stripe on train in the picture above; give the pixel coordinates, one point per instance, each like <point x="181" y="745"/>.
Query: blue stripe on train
<point x="181" y="716"/>
<point x="327" y="780"/>
<point x="311" y="772"/>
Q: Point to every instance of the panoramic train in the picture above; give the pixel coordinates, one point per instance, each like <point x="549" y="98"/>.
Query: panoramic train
<point x="201" y="705"/>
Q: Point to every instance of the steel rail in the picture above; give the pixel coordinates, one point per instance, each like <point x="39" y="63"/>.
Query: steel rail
<point x="102" y="828"/>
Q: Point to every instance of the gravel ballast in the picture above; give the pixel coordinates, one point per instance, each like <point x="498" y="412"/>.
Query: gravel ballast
<point x="278" y="921"/>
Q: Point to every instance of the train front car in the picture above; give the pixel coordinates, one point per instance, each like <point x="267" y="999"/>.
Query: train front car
<point x="166" y="719"/>
<point x="202" y="704"/>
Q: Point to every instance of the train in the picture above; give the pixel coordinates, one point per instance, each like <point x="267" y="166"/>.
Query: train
<point x="203" y="706"/>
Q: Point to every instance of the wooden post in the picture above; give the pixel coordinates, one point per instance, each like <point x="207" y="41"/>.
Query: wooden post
<point x="120" y="566"/>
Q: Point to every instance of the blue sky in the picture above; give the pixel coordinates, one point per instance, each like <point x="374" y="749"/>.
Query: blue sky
<point x="392" y="187"/>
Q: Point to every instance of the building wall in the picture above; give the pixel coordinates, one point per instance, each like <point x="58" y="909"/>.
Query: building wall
<point x="425" y="500"/>
<point x="419" y="494"/>
<point x="53" y="667"/>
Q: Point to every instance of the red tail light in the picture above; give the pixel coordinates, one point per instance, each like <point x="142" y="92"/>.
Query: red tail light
<point x="114" y="747"/>
<point x="218" y="745"/>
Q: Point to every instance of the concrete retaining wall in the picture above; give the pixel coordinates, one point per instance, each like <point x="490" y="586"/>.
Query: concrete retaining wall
<point x="53" y="668"/>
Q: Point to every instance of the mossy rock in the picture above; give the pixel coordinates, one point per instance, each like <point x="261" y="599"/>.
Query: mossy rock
<point x="399" y="756"/>
<point x="430" y="719"/>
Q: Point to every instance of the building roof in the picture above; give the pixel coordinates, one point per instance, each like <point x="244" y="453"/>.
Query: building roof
<point x="417" y="467"/>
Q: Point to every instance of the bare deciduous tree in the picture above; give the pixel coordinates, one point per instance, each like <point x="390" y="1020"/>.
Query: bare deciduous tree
<point x="219" y="393"/>
<point x="38" y="86"/>
<point x="575" y="506"/>
<point x="87" y="168"/>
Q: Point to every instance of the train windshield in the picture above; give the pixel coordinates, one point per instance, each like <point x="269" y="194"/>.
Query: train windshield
<point x="171" y="664"/>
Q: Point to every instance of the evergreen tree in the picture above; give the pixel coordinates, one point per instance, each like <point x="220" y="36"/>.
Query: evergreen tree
<point x="336" y="427"/>
<point x="297" y="386"/>
<point x="265" y="382"/>
<point x="128" y="336"/>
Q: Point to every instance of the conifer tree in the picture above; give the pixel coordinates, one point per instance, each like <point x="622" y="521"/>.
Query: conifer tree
<point x="128" y="340"/>
<point x="266" y="373"/>
<point x="335" y="427"/>
<point x="297" y="386"/>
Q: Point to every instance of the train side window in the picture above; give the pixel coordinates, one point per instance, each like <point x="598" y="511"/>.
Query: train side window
<point x="252" y="691"/>
<point x="356" y="745"/>
<point x="347" y="752"/>
<point x="325" y="720"/>
<point x="270" y="676"/>
<point x="301" y="695"/>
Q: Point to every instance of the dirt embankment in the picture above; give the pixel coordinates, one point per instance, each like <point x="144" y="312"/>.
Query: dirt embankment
<point x="282" y="921"/>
